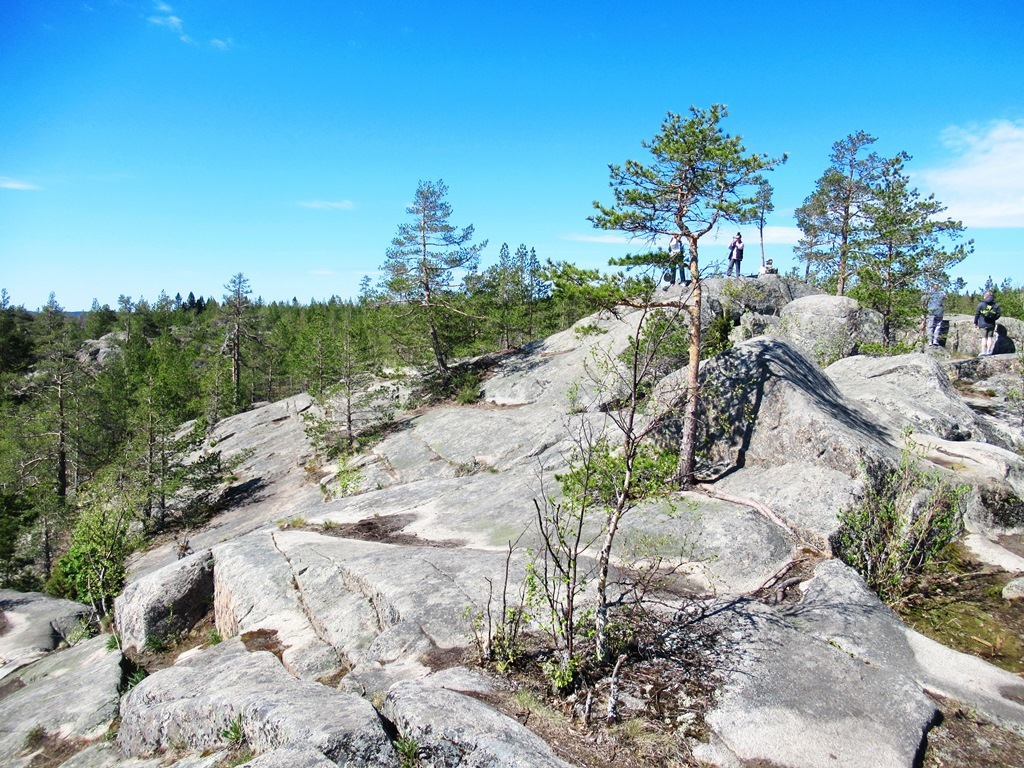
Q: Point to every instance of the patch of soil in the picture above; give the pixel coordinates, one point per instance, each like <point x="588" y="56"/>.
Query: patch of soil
<point x="263" y="640"/>
<point x="49" y="750"/>
<point x="959" y="603"/>
<point x="160" y="655"/>
<point x="964" y="740"/>
<point x="445" y="658"/>
<point x="386" y="529"/>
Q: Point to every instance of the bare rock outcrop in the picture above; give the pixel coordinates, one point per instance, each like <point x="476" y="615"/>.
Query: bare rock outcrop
<point x="166" y="602"/>
<point x="191" y="705"/>
<point x="34" y="625"/>
<point x="70" y="694"/>
<point x="470" y="733"/>
<point x="781" y="682"/>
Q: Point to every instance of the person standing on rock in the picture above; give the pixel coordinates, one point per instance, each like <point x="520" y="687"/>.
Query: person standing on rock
<point x="735" y="254"/>
<point x="933" y="328"/>
<point x="675" y="255"/>
<point x="985" y="317"/>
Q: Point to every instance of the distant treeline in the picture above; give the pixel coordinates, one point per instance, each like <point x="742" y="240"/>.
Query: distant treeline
<point x="87" y="429"/>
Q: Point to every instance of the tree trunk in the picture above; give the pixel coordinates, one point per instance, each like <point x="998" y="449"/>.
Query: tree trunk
<point x="688" y="442"/>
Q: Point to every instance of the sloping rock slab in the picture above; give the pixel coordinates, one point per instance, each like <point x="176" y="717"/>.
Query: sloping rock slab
<point x="371" y="614"/>
<point x="70" y="693"/>
<point x="190" y="704"/>
<point x="456" y="731"/>
<point x="166" y="601"/>
<point x="910" y="390"/>
<point x="769" y="405"/>
<point x="35" y="625"/>
<point x="255" y="589"/>
<point x="839" y="608"/>
<point x="794" y="700"/>
<point x="804" y="494"/>
<point x="289" y="757"/>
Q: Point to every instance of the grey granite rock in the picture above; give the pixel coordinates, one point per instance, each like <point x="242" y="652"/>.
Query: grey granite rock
<point x="470" y="734"/>
<point x="72" y="693"/>
<point x="795" y="700"/>
<point x="840" y="609"/>
<point x="190" y="705"/>
<point x="35" y="624"/>
<point x="165" y="602"/>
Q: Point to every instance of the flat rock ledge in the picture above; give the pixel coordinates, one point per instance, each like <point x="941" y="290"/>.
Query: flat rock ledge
<point x="190" y="706"/>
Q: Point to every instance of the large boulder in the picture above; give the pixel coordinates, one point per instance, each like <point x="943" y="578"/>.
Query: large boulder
<point x="907" y="391"/>
<point x="768" y="404"/>
<point x="765" y="296"/>
<point x="192" y="705"/>
<point x="827" y="328"/>
<point x="166" y="602"/>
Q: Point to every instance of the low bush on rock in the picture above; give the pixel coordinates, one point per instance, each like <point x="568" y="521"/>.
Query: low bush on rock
<point x="906" y="517"/>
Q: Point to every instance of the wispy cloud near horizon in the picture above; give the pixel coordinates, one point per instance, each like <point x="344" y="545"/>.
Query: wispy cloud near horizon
<point x="984" y="183"/>
<point x="9" y="183"/>
<point x="338" y="205"/>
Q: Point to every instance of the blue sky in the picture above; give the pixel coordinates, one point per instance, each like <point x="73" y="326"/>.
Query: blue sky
<point x="150" y="146"/>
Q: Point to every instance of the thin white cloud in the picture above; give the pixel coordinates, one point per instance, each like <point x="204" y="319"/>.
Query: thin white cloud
<point x="339" y="205"/>
<point x="222" y="45"/>
<point x="322" y="272"/>
<point x="606" y="239"/>
<point x="984" y="184"/>
<point x="165" y="17"/>
<point x="8" y="183"/>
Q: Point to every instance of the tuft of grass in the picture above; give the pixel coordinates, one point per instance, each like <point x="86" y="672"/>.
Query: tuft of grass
<point x="234" y="734"/>
<point x="408" y="751"/>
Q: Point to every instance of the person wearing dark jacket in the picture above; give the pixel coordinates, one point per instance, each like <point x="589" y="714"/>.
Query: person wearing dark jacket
<point x="985" y="317"/>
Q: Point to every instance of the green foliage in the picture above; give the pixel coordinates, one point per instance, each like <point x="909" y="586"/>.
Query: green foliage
<point x="136" y="677"/>
<point x="423" y="277"/>
<point x="716" y="337"/>
<point x="234" y="734"/>
<point x="93" y="570"/>
<point x="467" y="387"/>
<point x="907" y="516"/>
<point x="562" y="672"/>
<point x="902" y="250"/>
<point x="408" y="751"/>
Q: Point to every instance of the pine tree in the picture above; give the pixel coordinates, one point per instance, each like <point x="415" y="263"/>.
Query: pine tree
<point x="833" y="219"/>
<point x="698" y="177"/>
<point x="424" y="275"/>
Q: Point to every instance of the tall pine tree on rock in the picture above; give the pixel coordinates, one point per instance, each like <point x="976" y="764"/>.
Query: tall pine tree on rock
<point x="424" y="275"/>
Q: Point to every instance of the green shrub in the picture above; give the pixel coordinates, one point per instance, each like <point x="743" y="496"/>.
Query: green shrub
<point x="907" y="516"/>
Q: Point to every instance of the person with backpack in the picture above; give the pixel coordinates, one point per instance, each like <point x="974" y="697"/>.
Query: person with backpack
<point x="985" y="317"/>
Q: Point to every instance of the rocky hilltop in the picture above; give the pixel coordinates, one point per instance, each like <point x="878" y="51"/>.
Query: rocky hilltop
<point x="340" y="594"/>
